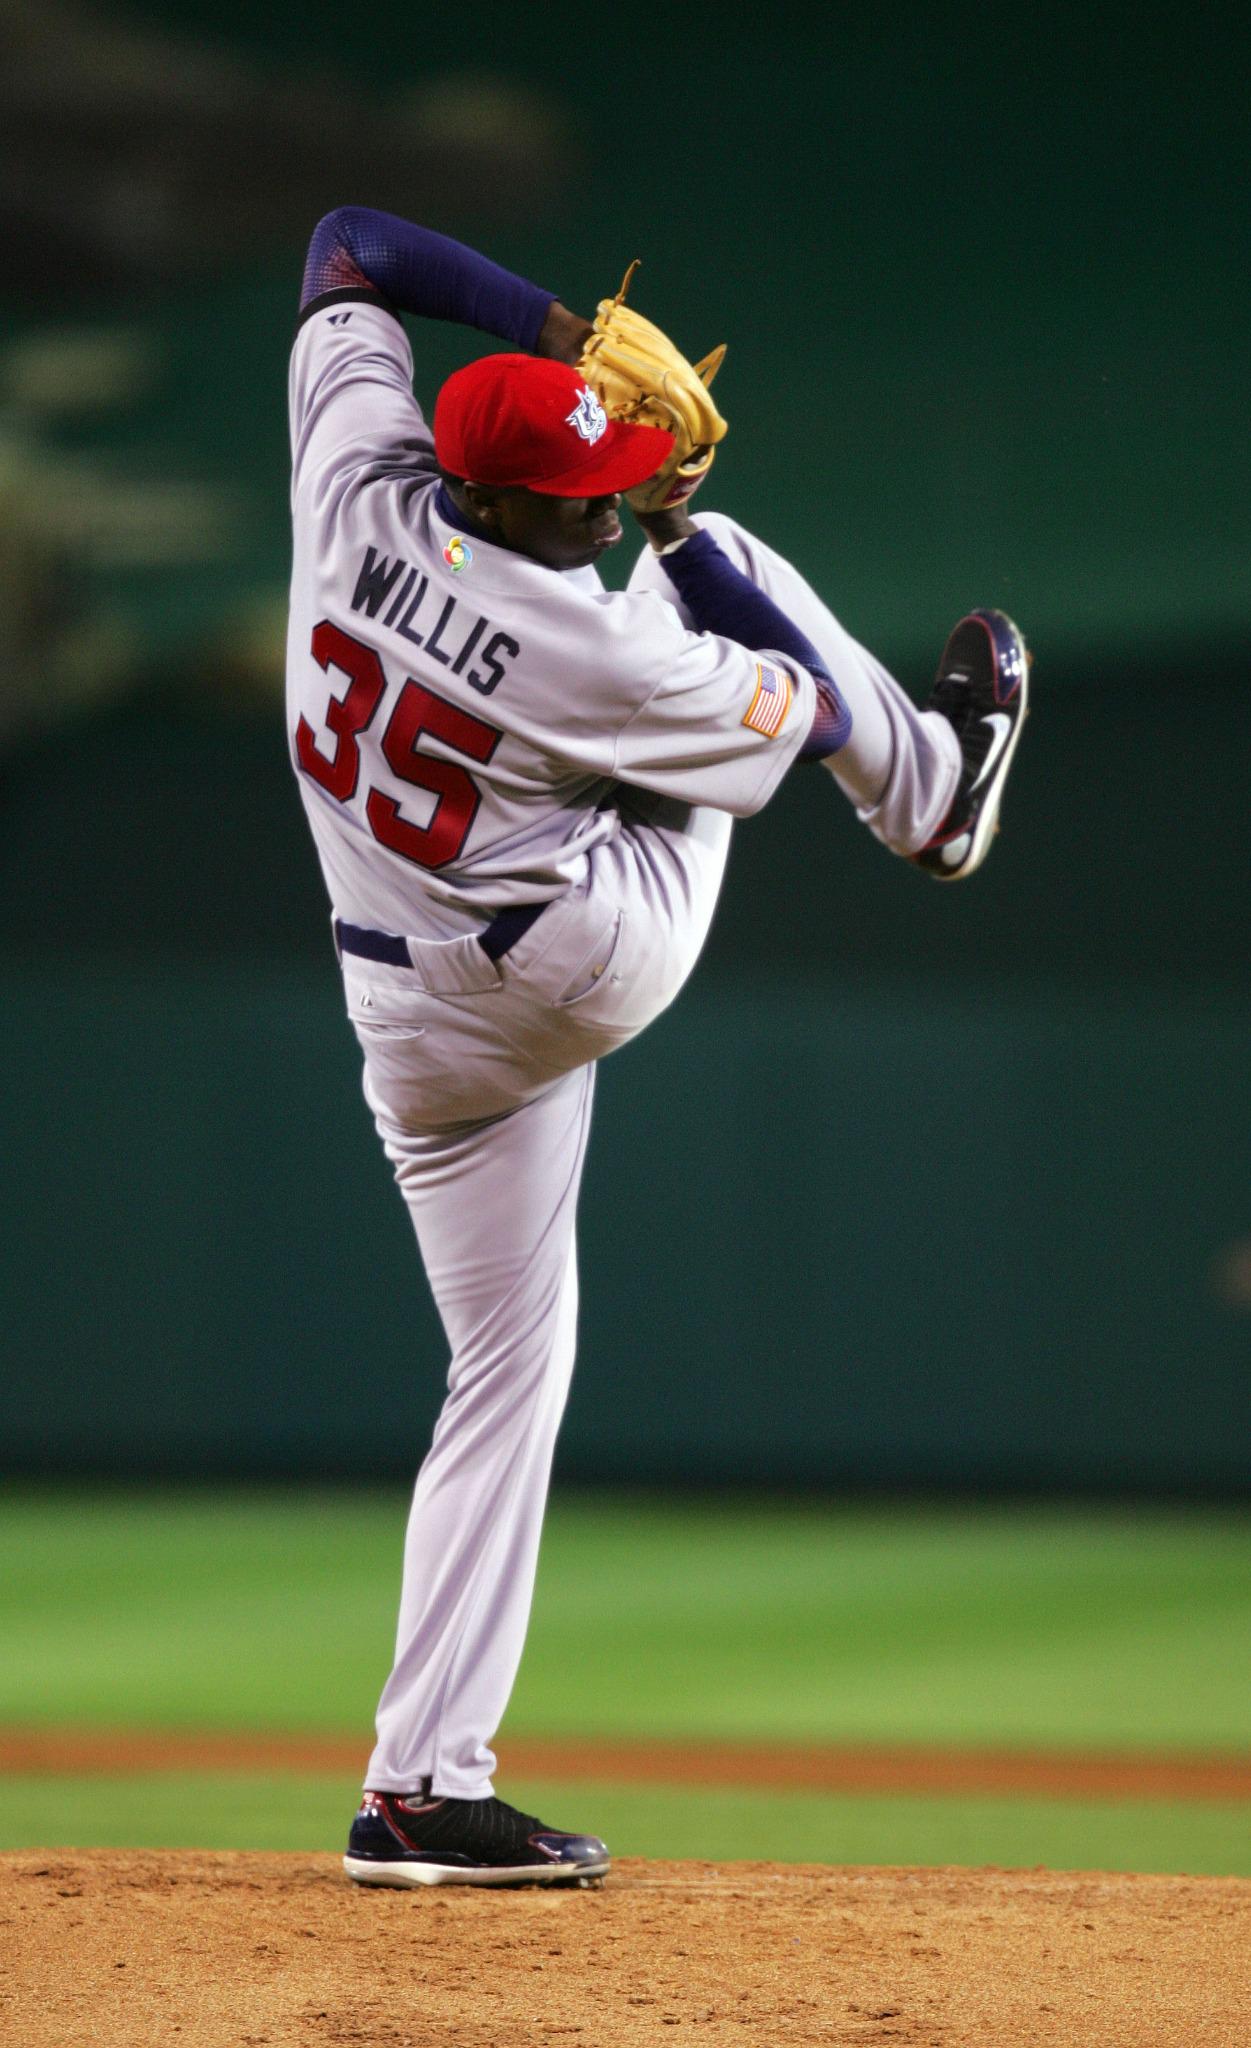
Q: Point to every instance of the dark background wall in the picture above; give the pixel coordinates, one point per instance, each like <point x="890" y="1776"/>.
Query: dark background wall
<point x="914" y="1186"/>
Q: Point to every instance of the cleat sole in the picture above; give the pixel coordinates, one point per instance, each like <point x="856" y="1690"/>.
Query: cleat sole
<point x="409" y="1875"/>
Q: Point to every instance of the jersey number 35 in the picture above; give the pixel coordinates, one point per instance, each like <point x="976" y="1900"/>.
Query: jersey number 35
<point x="418" y="712"/>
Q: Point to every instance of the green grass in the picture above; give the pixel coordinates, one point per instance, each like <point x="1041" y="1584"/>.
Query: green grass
<point x="275" y="1610"/>
<point x="222" y="1810"/>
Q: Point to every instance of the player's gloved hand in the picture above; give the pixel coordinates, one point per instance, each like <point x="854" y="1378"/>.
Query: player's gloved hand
<point x="637" y="374"/>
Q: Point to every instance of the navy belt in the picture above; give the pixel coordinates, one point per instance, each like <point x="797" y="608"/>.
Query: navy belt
<point x="496" y="938"/>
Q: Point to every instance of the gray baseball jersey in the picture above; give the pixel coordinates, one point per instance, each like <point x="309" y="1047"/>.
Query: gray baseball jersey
<point x="460" y="715"/>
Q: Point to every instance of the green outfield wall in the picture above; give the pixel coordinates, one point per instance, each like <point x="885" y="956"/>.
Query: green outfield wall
<point x="831" y="1234"/>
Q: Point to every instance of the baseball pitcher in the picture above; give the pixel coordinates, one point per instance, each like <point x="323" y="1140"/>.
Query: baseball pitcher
<point x="521" y="788"/>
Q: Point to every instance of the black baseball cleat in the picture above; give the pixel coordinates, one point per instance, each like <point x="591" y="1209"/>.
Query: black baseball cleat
<point x="981" y="689"/>
<point x="408" y="1838"/>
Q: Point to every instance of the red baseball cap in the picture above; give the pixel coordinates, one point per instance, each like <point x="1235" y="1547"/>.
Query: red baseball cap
<point x="528" y="420"/>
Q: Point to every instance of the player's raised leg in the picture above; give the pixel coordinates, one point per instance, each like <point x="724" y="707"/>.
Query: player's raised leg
<point x="925" y="780"/>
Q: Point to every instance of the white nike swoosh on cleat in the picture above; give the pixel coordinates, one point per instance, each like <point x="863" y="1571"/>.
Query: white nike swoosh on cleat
<point x="1002" y="725"/>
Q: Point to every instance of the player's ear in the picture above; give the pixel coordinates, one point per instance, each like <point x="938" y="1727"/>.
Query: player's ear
<point x="482" y="502"/>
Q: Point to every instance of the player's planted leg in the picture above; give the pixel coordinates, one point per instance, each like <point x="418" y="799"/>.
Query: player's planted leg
<point x="493" y="1206"/>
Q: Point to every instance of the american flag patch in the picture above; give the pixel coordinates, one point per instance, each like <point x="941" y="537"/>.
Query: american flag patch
<point x="768" y="708"/>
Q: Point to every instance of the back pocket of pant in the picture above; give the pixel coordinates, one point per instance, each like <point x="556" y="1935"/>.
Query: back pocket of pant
<point x="595" y="968"/>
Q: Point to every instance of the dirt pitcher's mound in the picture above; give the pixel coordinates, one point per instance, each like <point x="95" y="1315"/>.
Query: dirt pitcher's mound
<point x="130" y="1949"/>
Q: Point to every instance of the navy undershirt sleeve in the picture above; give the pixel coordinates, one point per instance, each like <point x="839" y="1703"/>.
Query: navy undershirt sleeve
<point x="418" y="271"/>
<point x="720" y="599"/>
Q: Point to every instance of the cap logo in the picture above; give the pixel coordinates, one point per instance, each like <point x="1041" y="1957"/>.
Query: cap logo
<point x="588" y="417"/>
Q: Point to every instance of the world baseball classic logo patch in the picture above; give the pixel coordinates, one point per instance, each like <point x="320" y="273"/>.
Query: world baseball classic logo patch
<point x="768" y="708"/>
<point x="457" y="554"/>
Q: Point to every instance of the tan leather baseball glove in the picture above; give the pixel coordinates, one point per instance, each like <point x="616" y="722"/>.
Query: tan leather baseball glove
<point x="637" y="374"/>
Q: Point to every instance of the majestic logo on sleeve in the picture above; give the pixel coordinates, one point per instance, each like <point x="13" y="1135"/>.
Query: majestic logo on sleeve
<point x="588" y="417"/>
